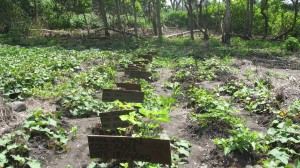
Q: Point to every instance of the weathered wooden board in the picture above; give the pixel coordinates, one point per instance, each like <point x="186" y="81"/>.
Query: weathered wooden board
<point x="110" y="95"/>
<point x="146" y="57"/>
<point x="141" y="65"/>
<point x="141" y="62"/>
<point x="130" y="148"/>
<point x="152" y="52"/>
<point x="130" y="86"/>
<point x="128" y="70"/>
<point x="111" y="120"/>
<point x="136" y="67"/>
<point x="139" y="74"/>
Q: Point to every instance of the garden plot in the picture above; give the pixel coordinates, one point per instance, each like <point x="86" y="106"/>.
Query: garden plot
<point x="233" y="112"/>
<point x="253" y="94"/>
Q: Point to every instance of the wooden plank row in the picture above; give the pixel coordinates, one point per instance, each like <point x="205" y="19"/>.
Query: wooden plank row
<point x="130" y="148"/>
<point x="110" y="95"/>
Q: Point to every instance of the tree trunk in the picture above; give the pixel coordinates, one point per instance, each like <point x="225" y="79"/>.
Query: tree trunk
<point x="251" y="12"/>
<point x="246" y="26"/>
<point x="153" y="19"/>
<point x="218" y="20"/>
<point x="201" y="22"/>
<point x="226" y="31"/>
<point x="36" y="14"/>
<point x="295" y="5"/>
<point x="135" y="18"/>
<point x="190" y="15"/>
<point x="86" y="23"/>
<point x="264" y="7"/>
<point x="119" y="23"/>
<point x="158" y="18"/>
<point x="173" y="4"/>
<point x="103" y="16"/>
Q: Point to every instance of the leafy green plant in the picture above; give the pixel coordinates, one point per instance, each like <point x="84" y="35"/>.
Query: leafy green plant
<point x="258" y="99"/>
<point x="204" y="101"/>
<point x="249" y="73"/>
<point x="292" y="44"/>
<point x="148" y="128"/>
<point x="242" y="139"/>
<point x="81" y="103"/>
<point x="283" y="139"/>
<point x="231" y="87"/>
<point x="74" y="130"/>
<point x="45" y="125"/>
<point x="211" y="110"/>
<point x="14" y="153"/>
<point x="180" y="149"/>
<point x="14" y="146"/>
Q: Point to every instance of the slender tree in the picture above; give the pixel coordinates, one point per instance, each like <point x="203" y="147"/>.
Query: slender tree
<point x="190" y="17"/>
<point x="103" y="16"/>
<point x="135" y="17"/>
<point x="153" y="17"/>
<point x="251" y="13"/>
<point x="36" y="14"/>
<point x="226" y="27"/>
<point x="295" y="4"/>
<point x="201" y="23"/>
<point x="158" y="19"/>
<point x="175" y="4"/>
<point x="118" y="13"/>
<point x="246" y="25"/>
<point x="263" y="9"/>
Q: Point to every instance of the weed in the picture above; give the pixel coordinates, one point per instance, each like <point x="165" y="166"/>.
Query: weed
<point x="242" y="139"/>
<point x="13" y="146"/>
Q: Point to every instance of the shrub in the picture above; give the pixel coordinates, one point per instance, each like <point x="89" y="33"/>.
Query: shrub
<point x="176" y="19"/>
<point x="291" y="44"/>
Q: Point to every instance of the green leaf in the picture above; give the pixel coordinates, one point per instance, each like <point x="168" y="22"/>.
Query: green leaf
<point x="4" y="142"/>
<point x="26" y="137"/>
<point x="146" y="113"/>
<point x="63" y="139"/>
<point x="124" y="117"/>
<point x="52" y="122"/>
<point x="183" y="143"/>
<point x="18" y="158"/>
<point x="271" y="131"/>
<point x="282" y="156"/>
<point x="38" y="113"/>
<point x="253" y="144"/>
<point x="281" y="125"/>
<point x="227" y="150"/>
<point x="34" y="163"/>
<point x="183" y="151"/>
<point x="12" y="146"/>
<point x="28" y="124"/>
<point x="297" y="163"/>
<point x="163" y="119"/>
<point x="3" y="159"/>
<point x="92" y="165"/>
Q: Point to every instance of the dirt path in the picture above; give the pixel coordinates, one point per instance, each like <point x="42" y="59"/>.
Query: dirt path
<point x="178" y="127"/>
<point x="164" y="74"/>
<point x="203" y="152"/>
<point x="77" y="155"/>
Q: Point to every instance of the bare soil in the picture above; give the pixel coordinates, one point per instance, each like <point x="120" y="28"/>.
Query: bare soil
<point x="203" y="152"/>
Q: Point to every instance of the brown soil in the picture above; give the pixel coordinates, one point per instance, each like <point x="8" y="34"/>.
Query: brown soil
<point x="77" y="154"/>
<point x="203" y="152"/>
